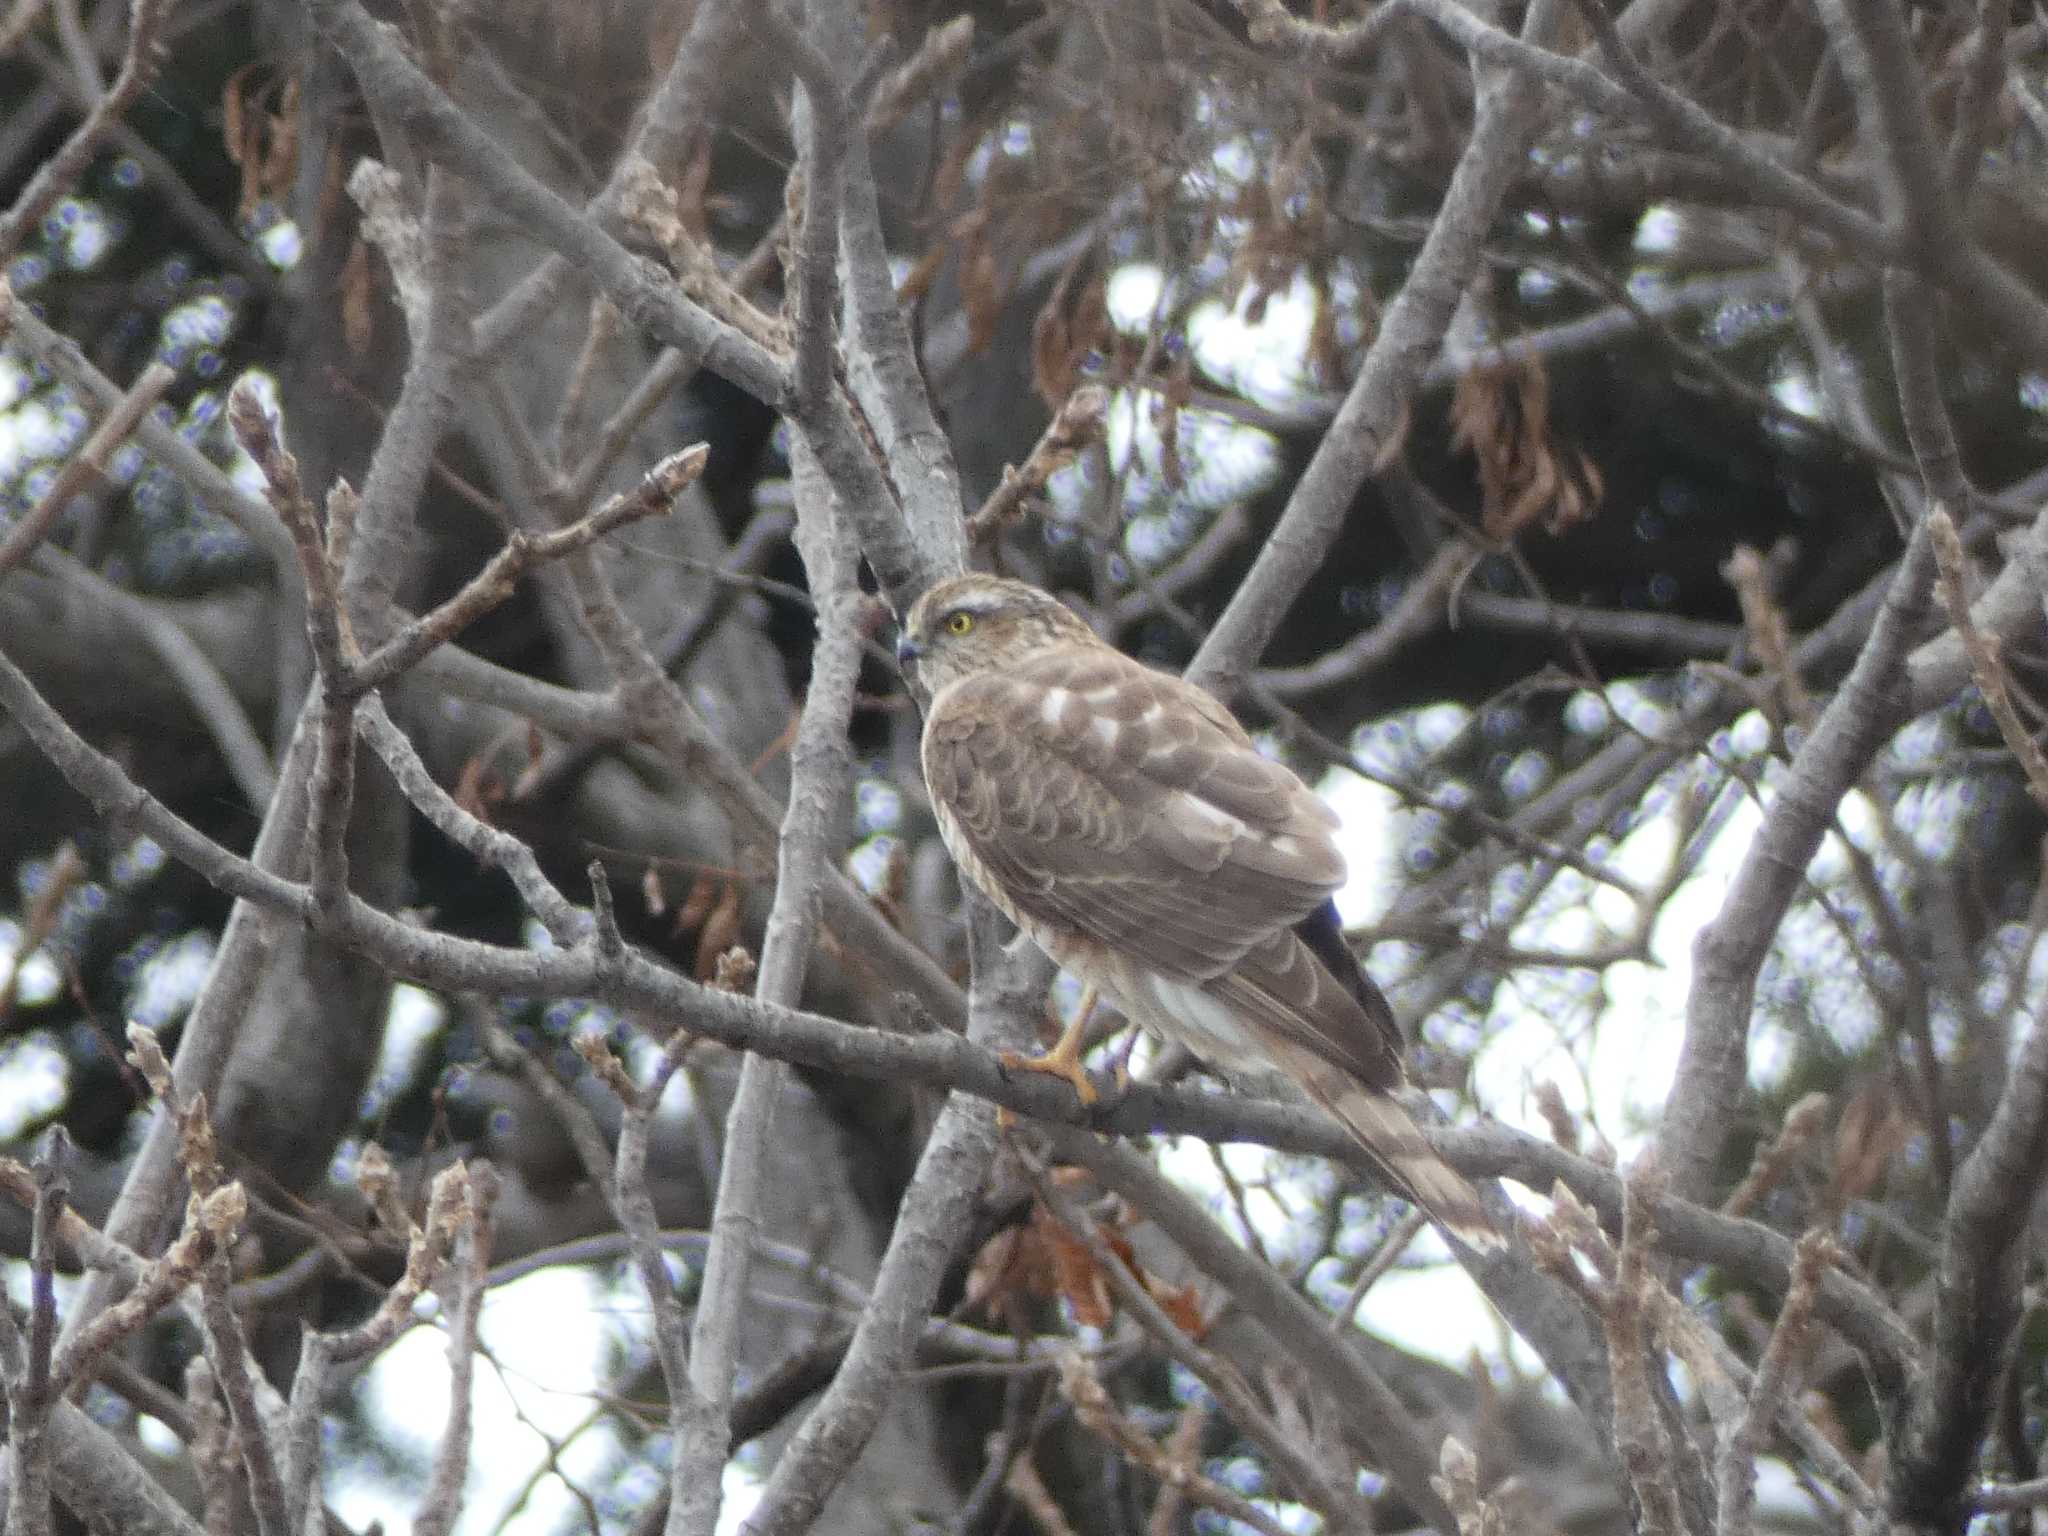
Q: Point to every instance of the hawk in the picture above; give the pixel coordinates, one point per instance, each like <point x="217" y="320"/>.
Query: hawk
<point x="1121" y="817"/>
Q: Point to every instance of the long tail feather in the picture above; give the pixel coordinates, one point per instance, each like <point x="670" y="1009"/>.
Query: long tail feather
<point x="1396" y="1145"/>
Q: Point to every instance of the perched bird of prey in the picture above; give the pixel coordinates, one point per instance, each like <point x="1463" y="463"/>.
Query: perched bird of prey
<point x="1122" y="818"/>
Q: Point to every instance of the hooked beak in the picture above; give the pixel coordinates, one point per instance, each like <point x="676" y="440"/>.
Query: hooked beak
<point x="907" y="650"/>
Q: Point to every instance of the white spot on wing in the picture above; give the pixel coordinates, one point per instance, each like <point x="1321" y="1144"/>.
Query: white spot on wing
<point x="1054" y="706"/>
<point x="1154" y="713"/>
<point x="1214" y="815"/>
<point x="1105" y="730"/>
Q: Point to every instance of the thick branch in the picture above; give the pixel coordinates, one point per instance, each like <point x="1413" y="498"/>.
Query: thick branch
<point x="812" y="830"/>
<point x="940" y="1059"/>
<point x="1984" y="1254"/>
<point x="1374" y="415"/>
<point x="1713" y="1063"/>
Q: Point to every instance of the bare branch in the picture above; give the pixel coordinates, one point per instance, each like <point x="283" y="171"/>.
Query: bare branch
<point x="643" y="295"/>
<point x="441" y="1506"/>
<point x="1077" y="423"/>
<point x="88" y="464"/>
<point x="820" y="764"/>
<point x="564" y="923"/>
<point x="1374" y="415"/>
<point x="1340" y="1505"/>
<point x="929" y="1227"/>
<point x="1984" y="1256"/>
<point x="1712" y="1063"/>
<point x="1368" y="1404"/>
<point x="1775" y="1385"/>
<point x="655" y="496"/>
<point x="1993" y="680"/>
<point x="940" y="1059"/>
<point x="814" y="274"/>
<point x="55" y="176"/>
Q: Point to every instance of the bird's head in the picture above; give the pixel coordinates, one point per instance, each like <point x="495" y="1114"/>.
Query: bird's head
<point x="971" y="624"/>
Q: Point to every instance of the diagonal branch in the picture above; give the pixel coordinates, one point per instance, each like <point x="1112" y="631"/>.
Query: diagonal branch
<point x="1374" y="415"/>
<point x="940" y="1059"/>
<point x="646" y="297"/>
<point x="1713" y="1061"/>
<point x="54" y="177"/>
<point x="812" y="829"/>
<point x="930" y="1226"/>
<point x="1375" y="1413"/>
<point x="1984" y="1256"/>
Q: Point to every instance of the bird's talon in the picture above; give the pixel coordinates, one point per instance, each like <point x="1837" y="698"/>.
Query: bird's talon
<point x="1062" y="1061"/>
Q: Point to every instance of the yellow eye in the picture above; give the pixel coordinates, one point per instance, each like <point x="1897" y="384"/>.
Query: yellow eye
<point x="959" y="623"/>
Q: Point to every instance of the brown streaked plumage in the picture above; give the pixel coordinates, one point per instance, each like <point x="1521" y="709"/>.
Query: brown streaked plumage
<point x="1123" y="819"/>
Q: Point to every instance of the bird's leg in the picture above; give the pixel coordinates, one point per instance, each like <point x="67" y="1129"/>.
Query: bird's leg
<point x="1120" y="1067"/>
<point x="1064" y="1059"/>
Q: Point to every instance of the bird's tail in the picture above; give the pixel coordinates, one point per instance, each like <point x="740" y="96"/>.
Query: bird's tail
<point x="1397" y="1147"/>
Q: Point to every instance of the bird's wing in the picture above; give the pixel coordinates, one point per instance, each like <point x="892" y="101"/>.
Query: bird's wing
<point x="1284" y="986"/>
<point x="1128" y="805"/>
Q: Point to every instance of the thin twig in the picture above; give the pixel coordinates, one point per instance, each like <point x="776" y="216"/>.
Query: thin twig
<point x="655" y="496"/>
<point x="441" y="1503"/>
<point x="1776" y="1381"/>
<point x="1339" y="1505"/>
<point x="56" y="175"/>
<point x="1993" y="678"/>
<point x="565" y="924"/>
<point x="88" y="463"/>
<point x="1371" y="422"/>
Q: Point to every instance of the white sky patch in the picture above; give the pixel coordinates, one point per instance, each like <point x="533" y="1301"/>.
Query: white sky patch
<point x="1133" y="295"/>
<point x="741" y="1488"/>
<point x="1658" y="230"/>
<point x="33" y="1081"/>
<point x="1797" y="390"/>
<point x="158" y="1438"/>
<point x="170" y="981"/>
<point x="39" y="979"/>
<point x="547" y="1332"/>
<point x="1368" y="811"/>
<point x="414" y="1018"/>
<point x="1265" y="361"/>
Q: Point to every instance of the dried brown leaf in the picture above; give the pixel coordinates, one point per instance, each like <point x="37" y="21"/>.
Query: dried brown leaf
<point x="1073" y="323"/>
<point x="981" y="289"/>
<point x="721" y="931"/>
<point x="478" y="790"/>
<point x="1501" y="416"/>
<point x="1871" y="1133"/>
<point x="917" y="282"/>
<point x="281" y="159"/>
<point x="696" y="905"/>
<point x="1077" y="1277"/>
<point x="358" y="326"/>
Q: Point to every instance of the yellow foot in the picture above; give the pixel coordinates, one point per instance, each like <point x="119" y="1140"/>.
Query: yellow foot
<point x="1063" y="1060"/>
